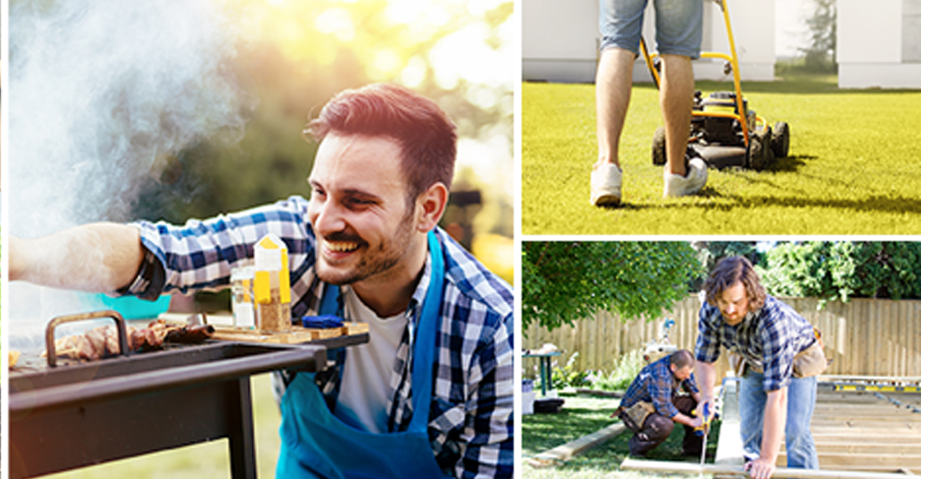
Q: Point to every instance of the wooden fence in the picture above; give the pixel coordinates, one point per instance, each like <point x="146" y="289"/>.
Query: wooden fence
<point x="863" y="337"/>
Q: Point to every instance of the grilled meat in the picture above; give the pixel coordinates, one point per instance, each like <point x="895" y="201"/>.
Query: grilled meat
<point x="102" y="342"/>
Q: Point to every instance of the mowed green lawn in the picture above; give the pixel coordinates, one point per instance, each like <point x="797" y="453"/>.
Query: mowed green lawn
<point x="207" y="460"/>
<point x="853" y="167"/>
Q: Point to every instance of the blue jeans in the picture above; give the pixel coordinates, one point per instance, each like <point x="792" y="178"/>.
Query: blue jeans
<point x="801" y="400"/>
<point x="678" y="25"/>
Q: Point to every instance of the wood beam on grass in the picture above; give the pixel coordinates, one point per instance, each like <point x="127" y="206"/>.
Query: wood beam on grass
<point x="578" y="446"/>
<point x="780" y="472"/>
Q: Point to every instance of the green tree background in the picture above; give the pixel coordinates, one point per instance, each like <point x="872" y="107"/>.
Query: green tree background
<point x="840" y="270"/>
<point x="565" y="281"/>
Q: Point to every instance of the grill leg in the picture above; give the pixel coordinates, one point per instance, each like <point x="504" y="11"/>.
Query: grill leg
<point x="241" y="441"/>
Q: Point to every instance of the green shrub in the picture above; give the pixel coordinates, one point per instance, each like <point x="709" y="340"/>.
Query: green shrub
<point x="566" y="377"/>
<point x="622" y="375"/>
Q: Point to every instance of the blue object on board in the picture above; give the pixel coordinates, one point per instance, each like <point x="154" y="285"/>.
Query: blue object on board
<point x="324" y="321"/>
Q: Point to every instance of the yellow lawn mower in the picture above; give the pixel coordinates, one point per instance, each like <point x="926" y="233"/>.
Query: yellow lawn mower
<point x="723" y="131"/>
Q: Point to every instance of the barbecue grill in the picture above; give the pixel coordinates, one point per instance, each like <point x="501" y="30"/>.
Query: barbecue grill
<point x="76" y="415"/>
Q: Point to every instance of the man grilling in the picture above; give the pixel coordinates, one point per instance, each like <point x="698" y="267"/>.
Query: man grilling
<point x="431" y="394"/>
<point x="663" y="393"/>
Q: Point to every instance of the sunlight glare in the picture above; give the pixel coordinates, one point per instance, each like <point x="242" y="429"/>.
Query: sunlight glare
<point x="337" y="22"/>
<point x="384" y="63"/>
<point x="414" y="73"/>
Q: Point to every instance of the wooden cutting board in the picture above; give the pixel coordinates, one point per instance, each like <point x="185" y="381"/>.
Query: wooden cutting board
<point x="294" y="335"/>
<point x="225" y="331"/>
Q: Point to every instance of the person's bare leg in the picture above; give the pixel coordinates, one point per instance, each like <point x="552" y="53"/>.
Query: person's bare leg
<point x="676" y="105"/>
<point x="613" y="91"/>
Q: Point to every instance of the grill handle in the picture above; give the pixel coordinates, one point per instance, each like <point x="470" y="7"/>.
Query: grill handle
<point x="71" y="318"/>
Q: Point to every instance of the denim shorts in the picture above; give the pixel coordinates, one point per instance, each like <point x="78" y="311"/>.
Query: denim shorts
<point x="678" y="25"/>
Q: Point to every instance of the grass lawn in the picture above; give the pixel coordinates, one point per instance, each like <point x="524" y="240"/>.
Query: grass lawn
<point x="853" y="167"/>
<point x="582" y="415"/>
<point x="208" y="460"/>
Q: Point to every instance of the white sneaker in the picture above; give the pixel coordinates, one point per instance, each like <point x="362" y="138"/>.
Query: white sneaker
<point x="676" y="185"/>
<point x="606" y="185"/>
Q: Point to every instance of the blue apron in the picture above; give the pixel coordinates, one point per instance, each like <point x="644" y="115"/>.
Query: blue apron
<point x="317" y="444"/>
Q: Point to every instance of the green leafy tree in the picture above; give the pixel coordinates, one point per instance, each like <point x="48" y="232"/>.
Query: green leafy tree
<point x="844" y="269"/>
<point x="563" y="281"/>
<point x="710" y="252"/>
<point x="820" y="52"/>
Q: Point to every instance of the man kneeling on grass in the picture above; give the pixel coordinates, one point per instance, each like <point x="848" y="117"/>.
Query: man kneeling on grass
<point x="653" y="403"/>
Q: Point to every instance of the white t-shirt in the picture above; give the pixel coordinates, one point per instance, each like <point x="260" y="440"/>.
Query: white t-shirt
<point x="365" y="392"/>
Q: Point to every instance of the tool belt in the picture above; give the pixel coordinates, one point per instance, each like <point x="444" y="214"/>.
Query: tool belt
<point x="809" y="362"/>
<point x="634" y="417"/>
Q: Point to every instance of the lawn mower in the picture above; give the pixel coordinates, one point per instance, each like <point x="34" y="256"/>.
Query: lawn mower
<point x="723" y="131"/>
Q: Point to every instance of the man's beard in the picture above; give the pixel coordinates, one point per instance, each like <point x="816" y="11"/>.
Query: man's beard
<point x="372" y="263"/>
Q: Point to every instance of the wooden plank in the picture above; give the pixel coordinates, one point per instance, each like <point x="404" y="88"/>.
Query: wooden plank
<point x="860" y="423"/>
<point x="880" y="447"/>
<point x="847" y="437"/>
<point x="295" y="335"/>
<point x="578" y="446"/>
<point x="779" y="472"/>
<point x="729" y="450"/>
<point x="832" y="433"/>
<point x="859" y="462"/>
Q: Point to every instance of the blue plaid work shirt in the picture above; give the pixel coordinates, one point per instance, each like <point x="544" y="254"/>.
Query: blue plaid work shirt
<point x="656" y="384"/>
<point x="768" y="339"/>
<point x="471" y="417"/>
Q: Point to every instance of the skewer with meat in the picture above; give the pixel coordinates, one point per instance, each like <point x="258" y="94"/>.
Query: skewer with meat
<point x="102" y="342"/>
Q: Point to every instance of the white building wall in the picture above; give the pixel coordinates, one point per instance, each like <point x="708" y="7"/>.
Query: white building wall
<point x="560" y="40"/>
<point x="878" y="46"/>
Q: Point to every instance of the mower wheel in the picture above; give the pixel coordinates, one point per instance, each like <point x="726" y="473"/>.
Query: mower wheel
<point x="658" y="150"/>
<point x="780" y="139"/>
<point x="759" y="156"/>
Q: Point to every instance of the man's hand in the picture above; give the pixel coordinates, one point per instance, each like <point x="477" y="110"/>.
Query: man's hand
<point x="705" y="402"/>
<point x="697" y="422"/>
<point x="759" y="469"/>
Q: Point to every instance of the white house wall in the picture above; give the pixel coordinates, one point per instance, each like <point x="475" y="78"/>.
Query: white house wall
<point x="560" y="40"/>
<point x="878" y="46"/>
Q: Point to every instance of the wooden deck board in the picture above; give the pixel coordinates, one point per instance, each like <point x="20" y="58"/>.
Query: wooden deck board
<point x="858" y="431"/>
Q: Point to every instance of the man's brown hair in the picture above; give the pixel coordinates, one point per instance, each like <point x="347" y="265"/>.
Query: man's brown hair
<point x="681" y="358"/>
<point x="426" y="135"/>
<point x="732" y="270"/>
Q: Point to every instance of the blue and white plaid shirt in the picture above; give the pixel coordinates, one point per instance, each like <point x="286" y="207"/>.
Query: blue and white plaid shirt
<point x="471" y="418"/>
<point x="768" y="339"/>
<point x="656" y="384"/>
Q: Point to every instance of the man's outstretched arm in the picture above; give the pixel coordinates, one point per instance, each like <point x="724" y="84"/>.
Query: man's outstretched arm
<point x="97" y="257"/>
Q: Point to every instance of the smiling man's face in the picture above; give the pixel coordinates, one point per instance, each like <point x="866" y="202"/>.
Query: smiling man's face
<point x="358" y="209"/>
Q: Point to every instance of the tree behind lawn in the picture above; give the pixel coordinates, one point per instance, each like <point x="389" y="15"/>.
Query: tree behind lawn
<point x="563" y="281"/>
<point x="839" y="270"/>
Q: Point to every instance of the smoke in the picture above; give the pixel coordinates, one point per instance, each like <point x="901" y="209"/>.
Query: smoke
<point x="101" y="93"/>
